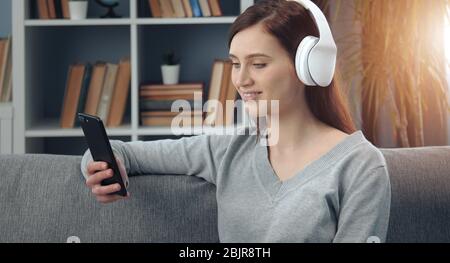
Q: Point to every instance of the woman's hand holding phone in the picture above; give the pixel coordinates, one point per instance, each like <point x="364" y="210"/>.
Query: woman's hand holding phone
<point x="97" y="172"/>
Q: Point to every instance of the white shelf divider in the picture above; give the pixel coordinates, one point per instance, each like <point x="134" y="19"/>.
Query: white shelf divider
<point x="49" y="128"/>
<point x="84" y="22"/>
<point x="134" y="89"/>
<point x="184" y="21"/>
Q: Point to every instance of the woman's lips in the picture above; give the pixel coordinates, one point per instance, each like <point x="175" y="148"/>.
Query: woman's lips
<point x="246" y="96"/>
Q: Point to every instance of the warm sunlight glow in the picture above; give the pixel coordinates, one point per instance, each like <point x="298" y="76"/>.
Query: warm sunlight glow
<point x="447" y="37"/>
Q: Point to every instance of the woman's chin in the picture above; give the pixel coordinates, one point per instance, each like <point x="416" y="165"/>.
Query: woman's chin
<point x="254" y="113"/>
<point x="257" y="108"/>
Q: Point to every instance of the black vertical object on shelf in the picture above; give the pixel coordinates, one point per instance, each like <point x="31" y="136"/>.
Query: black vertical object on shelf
<point x="32" y="10"/>
<point x="110" y="13"/>
<point x="144" y="9"/>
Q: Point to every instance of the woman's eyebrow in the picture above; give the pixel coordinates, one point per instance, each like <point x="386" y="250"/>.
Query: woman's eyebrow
<point x="251" y="55"/>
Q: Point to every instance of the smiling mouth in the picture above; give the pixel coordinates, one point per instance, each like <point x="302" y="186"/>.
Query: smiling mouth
<point x="246" y="96"/>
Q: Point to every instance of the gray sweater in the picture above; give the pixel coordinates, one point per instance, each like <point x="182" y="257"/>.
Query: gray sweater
<point x="344" y="196"/>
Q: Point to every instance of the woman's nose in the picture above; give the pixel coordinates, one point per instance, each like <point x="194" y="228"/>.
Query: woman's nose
<point x="244" y="79"/>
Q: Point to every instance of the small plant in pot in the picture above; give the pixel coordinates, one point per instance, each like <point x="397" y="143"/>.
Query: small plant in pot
<point x="170" y="68"/>
<point x="78" y="9"/>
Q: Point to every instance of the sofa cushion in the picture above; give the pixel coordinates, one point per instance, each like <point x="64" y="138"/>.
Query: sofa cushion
<point x="44" y="199"/>
<point x="420" y="206"/>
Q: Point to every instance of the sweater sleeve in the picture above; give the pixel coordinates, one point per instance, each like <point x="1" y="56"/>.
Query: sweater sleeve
<point x="365" y="207"/>
<point x="198" y="155"/>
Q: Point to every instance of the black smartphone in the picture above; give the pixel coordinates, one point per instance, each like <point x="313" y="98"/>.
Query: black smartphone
<point x="98" y="143"/>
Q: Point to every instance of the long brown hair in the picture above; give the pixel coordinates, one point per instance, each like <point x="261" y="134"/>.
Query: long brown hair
<point x="289" y="22"/>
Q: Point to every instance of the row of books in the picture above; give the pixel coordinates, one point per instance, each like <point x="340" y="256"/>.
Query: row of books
<point x="5" y="69"/>
<point x="221" y="90"/>
<point x="101" y="89"/>
<point x="59" y="9"/>
<point x="51" y="9"/>
<point x="156" y="101"/>
<point x="185" y="8"/>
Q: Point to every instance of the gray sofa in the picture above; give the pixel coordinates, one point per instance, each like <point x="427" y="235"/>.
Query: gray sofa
<point x="43" y="199"/>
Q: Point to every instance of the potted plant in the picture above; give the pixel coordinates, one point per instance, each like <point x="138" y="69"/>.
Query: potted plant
<point x="78" y="9"/>
<point x="170" y="68"/>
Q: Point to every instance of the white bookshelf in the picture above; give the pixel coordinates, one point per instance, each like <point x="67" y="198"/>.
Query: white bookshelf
<point x="43" y="50"/>
<point x="6" y="129"/>
<point x="86" y="22"/>
<point x="184" y="21"/>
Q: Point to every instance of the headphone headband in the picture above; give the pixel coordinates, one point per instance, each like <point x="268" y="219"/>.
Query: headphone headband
<point x="321" y="58"/>
<point x="326" y="37"/>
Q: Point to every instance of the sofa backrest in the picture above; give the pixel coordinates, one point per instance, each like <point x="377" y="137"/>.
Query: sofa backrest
<point x="43" y="199"/>
<point x="420" y="205"/>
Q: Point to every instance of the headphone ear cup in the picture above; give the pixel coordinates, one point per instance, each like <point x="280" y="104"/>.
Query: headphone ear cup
<point x="302" y="58"/>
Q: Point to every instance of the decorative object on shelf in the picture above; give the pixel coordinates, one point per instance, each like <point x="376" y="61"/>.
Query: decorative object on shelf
<point x="78" y="9"/>
<point x="171" y="68"/>
<point x="110" y="4"/>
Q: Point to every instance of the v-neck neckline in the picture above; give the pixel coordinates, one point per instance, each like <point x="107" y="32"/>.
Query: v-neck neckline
<point x="276" y="188"/>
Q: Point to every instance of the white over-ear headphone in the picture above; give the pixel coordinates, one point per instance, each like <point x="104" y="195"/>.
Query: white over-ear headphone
<point x="315" y="60"/>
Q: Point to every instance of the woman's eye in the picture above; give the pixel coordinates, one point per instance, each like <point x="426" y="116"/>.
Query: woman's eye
<point x="236" y="65"/>
<point x="259" y="65"/>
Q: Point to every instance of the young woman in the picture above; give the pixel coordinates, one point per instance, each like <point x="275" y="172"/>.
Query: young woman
<point x="320" y="180"/>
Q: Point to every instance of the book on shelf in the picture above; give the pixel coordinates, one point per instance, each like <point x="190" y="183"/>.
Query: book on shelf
<point x="7" y="95"/>
<point x="166" y="118"/>
<point x="120" y="95"/>
<point x="167" y="10"/>
<point x="155" y="8"/>
<point x="95" y="88"/>
<point x="178" y="8"/>
<point x="187" y="8"/>
<point x="83" y="91"/>
<point x="221" y="90"/>
<point x="72" y="93"/>
<point x="167" y="121"/>
<point x="107" y="91"/>
<point x="101" y="89"/>
<point x="214" y="91"/>
<point x="51" y="9"/>
<point x="161" y="93"/>
<point x="184" y="8"/>
<point x="156" y="101"/>
<point x="42" y="9"/>
<point x="224" y="82"/>
<point x="58" y="9"/>
<point x="158" y="105"/>
<point x="196" y="10"/>
<point x="3" y="48"/>
<point x="181" y="86"/>
<point x="215" y="7"/>
<point x="204" y="6"/>
<point x="231" y="95"/>
<point x="171" y="113"/>
<point x="222" y="118"/>
<point x="189" y="91"/>
<point x="65" y="9"/>
<point x="5" y="69"/>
